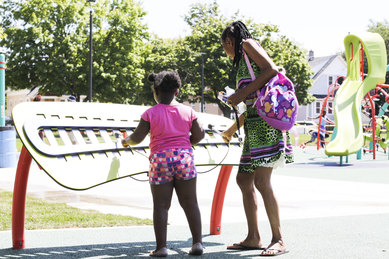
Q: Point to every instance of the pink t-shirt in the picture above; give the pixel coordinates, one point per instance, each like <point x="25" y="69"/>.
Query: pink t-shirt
<point x="169" y="126"/>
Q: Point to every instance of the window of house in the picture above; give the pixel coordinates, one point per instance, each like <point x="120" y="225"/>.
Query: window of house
<point x="317" y="107"/>
<point x="330" y="80"/>
<point x="330" y="106"/>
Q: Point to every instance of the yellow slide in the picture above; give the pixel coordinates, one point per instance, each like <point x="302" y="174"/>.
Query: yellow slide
<point x="349" y="136"/>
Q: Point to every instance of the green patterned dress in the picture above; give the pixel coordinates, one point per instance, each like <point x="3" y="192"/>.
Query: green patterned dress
<point x="264" y="146"/>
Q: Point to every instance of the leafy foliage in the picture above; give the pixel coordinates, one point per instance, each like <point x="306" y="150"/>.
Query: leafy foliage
<point x="207" y="24"/>
<point x="48" y="44"/>
<point x="382" y="28"/>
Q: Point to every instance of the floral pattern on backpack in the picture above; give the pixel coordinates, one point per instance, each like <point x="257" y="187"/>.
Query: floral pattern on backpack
<point x="277" y="103"/>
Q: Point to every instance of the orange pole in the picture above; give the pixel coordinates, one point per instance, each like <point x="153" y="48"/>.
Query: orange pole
<point x="373" y="123"/>
<point x="218" y="199"/>
<point x="361" y="61"/>
<point x="19" y="199"/>
<point x="324" y="103"/>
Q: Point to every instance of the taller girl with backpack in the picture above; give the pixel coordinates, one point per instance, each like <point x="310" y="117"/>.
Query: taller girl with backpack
<point x="265" y="147"/>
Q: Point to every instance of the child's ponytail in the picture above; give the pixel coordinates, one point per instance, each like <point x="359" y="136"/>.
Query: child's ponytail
<point x="151" y="77"/>
<point x="166" y="81"/>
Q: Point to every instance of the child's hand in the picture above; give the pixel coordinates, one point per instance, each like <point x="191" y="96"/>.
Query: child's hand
<point x="124" y="143"/>
<point x="226" y="136"/>
<point x="236" y="98"/>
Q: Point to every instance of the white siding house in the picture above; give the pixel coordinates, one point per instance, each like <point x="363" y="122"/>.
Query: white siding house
<point x="326" y="70"/>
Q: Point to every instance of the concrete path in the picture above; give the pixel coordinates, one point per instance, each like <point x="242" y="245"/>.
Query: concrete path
<point x="327" y="211"/>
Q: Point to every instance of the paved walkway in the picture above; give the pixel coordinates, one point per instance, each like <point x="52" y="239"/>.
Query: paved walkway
<point x="327" y="211"/>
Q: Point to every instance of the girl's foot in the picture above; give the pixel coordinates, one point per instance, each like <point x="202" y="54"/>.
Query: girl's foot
<point x="197" y="249"/>
<point x="247" y="245"/>
<point x="274" y="249"/>
<point x="241" y="246"/>
<point x="162" y="252"/>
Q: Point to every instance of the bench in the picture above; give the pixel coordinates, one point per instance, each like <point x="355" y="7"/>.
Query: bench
<point x="81" y="149"/>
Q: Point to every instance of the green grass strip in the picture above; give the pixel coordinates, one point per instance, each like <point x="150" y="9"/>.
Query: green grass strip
<point x="49" y="215"/>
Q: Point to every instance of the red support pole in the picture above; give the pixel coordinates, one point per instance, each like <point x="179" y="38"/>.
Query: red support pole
<point x="218" y="199"/>
<point x="19" y="199"/>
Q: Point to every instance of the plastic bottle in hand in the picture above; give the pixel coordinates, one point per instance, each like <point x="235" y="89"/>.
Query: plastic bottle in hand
<point x="223" y="96"/>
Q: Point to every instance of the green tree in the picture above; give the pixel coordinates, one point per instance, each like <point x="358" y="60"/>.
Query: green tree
<point x="2" y="34"/>
<point x="168" y="54"/>
<point x="206" y="24"/>
<point x="47" y="46"/>
<point x="382" y="28"/>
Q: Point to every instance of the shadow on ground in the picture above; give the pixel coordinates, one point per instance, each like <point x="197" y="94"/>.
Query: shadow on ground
<point x="177" y="249"/>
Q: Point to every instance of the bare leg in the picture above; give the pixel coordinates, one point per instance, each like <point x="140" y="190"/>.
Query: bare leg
<point x="187" y="196"/>
<point x="162" y="196"/>
<point x="313" y="137"/>
<point x="246" y="183"/>
<point x="262" y="182"/>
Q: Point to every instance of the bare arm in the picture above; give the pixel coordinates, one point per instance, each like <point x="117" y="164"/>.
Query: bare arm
<point x="264" y="62"/>
<point x="227" y="135"/>
<point x="313" y="118"/>
<point x="139" y="134"/>
<point x="197" y="132"/>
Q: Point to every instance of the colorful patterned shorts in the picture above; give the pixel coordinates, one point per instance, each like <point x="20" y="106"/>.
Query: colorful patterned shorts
<point x="170" y="164"/>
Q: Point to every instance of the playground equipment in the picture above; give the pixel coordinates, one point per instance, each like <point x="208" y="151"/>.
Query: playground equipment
<point x="349" y="135"/>
<point x="81" y="149"/>
<point x="377" y="121"/>
<point x="383" y="142"/>
<point x="332" y="89"/>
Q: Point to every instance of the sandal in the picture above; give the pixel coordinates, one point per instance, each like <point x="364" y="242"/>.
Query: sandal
<point x="241" y="246"/>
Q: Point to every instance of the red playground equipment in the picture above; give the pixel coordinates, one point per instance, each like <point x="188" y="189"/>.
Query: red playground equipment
<point x="369" y="101"/>
<point x="330" y="97"/>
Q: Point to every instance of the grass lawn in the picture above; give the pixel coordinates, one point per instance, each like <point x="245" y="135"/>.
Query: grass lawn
<point x="19" y="145"/>
<point x="48" y="215"/>
<point x="304" y="138"/>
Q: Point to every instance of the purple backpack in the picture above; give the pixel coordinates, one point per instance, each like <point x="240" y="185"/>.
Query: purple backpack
<point x="277" y="102"/>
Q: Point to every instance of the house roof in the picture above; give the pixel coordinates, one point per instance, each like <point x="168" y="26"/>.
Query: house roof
<point x="319" y="64"/>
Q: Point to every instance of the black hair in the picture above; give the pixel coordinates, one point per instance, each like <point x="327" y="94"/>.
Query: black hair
<point x="166" y="81"/>
<point x="236" y="31"/>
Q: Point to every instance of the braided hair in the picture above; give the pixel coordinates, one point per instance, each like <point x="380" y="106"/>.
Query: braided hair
<point x="236" y="31"/>
<point x="166" y="81"/>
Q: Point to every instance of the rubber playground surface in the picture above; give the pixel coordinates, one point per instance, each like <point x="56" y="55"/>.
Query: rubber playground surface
<point x="327" y="211"/>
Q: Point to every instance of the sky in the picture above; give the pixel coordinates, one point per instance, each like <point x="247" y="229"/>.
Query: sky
<point x="313" y="25"/>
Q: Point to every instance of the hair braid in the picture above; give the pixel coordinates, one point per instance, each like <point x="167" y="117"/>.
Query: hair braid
<point x="238" y="32"/>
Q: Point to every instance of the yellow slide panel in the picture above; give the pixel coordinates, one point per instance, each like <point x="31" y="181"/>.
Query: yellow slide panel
<point x="349" y="136"/>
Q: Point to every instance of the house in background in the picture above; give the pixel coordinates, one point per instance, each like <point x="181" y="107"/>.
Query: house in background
<point x="18" y="96"/>
<point x="325" y="72"/>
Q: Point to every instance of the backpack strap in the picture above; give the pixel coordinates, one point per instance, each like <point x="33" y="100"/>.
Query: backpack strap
<point x="251" y="71"/>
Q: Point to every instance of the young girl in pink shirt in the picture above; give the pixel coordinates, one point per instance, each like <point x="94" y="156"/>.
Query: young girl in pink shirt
<point x="174" y="129"/>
